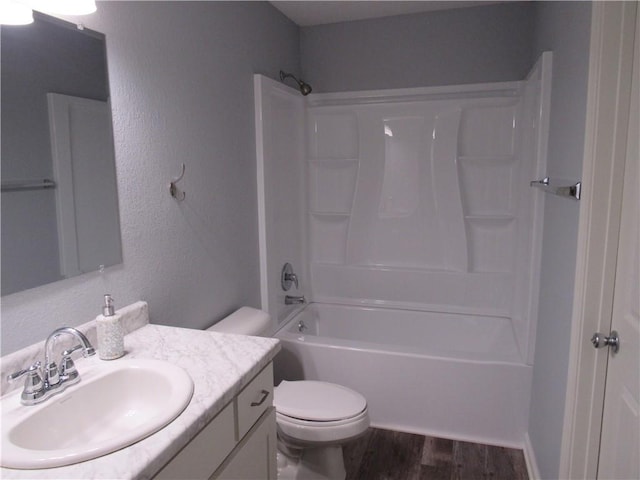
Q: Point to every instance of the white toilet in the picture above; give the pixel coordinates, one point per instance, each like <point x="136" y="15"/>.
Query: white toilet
<point x="314" y="418"/>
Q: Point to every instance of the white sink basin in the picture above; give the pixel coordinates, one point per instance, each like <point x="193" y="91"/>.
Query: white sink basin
<point x="116" y="403"/>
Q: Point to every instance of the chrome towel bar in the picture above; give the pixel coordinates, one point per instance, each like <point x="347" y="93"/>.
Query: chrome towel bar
<point x="568" y="191"/>
<point x="12" y="186"/>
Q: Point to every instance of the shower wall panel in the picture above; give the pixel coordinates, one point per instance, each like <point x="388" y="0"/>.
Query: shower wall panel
<point x="281" y="191"/>
<point x="414" y="196"/>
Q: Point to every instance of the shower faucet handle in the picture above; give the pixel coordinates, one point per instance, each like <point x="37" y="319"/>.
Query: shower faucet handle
<point x="292" y="277"/>
<point x="287" y="277"/>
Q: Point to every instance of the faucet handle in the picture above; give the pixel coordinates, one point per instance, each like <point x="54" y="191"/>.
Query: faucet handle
<point x="68" y="369"/>
<point x="33" y="384"/>
<point x="293" y="277"/>
<point x="32" y="370"/>
<point x="287" y="277"/>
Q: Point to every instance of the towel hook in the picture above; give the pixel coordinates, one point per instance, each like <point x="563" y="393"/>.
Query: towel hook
<point x="173" y="189"/>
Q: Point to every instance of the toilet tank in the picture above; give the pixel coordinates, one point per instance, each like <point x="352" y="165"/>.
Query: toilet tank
<point x="244" y="321"/>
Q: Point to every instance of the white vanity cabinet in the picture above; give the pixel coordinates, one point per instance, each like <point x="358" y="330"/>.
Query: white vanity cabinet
<point x="255" y="456"/>
<point x="239" y="443"/>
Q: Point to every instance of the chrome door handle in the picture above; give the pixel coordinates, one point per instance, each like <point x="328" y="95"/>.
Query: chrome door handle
<point x="599" y="340"/>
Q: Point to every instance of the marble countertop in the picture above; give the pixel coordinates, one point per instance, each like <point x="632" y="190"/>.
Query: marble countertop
<point x="220" y="366"/>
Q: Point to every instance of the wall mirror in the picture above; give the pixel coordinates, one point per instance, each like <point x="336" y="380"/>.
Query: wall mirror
<point x="60" y="214"/>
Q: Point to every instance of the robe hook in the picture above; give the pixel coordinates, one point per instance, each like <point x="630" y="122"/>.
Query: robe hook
<point x="173" y="189"/>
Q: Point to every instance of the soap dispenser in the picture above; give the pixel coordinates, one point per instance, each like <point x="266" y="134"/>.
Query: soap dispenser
<point x="110" y="332"/>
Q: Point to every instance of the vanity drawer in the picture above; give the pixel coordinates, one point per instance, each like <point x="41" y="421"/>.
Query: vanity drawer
<point x="254" y="400"/>
<point x="202" y="456"/>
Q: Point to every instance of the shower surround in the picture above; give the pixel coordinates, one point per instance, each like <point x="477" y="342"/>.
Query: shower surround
<point x="412" y="199"/>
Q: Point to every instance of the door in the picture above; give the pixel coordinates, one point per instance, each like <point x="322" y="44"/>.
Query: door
<point x="86" y="201"/>
<point x="620" y="438"/>
<point x="608" y="146"/>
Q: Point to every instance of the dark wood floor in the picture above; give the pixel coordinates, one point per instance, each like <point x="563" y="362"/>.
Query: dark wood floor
<point x="387" y="455"/>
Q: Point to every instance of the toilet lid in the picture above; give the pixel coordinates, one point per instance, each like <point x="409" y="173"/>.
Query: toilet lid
<point x="317" y="401"/>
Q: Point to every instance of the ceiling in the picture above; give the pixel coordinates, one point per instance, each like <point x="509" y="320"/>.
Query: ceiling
<point x="307" y="13"/>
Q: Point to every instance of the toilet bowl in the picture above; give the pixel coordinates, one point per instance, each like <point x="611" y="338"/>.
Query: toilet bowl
<point x="314" y="419"/>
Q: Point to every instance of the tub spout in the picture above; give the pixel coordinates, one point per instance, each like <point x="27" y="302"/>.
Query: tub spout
<point x="293" y="300"/>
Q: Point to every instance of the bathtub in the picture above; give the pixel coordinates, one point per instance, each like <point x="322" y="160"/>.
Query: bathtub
<point x="445" y="375"/>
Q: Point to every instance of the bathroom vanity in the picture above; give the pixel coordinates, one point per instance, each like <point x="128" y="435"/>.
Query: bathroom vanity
<point x="226" y="431"/>
<point x="240" y="442"/>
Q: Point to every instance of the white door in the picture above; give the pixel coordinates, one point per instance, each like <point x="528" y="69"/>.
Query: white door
<point x="84" y="168"/>
<point x="620" y="439"/>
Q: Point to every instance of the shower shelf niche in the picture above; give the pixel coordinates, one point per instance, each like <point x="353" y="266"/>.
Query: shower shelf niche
<point x="495" y="219"/>
<point x="498" y="159"/>
<point x="332" y="185"/>
<point x="329" y="161"/>
<point x="338" y="215"/>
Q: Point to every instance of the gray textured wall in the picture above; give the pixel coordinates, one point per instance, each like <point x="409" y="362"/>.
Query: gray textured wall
<point x="182" y="91"/>
<point x="564" y="28"/>
<point x="458" y="46"/>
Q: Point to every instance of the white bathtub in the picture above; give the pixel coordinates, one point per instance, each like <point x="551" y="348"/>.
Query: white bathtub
<point x="446" y="375"/>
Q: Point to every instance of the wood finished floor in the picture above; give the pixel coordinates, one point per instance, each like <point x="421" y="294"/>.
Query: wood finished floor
<point x="388" y="455"/>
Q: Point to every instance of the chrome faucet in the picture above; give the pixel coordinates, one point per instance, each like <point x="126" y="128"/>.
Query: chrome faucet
<point x="293" y="300"/>
<point x="39" y="387"/>
<point x="287" y="277"/>
<point x="51" y="372"/>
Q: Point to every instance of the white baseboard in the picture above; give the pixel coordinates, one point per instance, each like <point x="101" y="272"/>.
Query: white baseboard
<point x="530" y="459"/>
